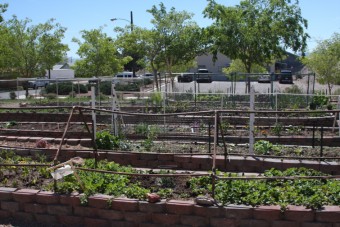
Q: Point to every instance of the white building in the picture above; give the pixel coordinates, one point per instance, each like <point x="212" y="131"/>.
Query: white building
<point x="62" y="71"/>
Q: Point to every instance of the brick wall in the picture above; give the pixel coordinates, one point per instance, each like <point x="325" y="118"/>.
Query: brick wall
<point x="102" y="210"/>
<point x="204" y="162"/>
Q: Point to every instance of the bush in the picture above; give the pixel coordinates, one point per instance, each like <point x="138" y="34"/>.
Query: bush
<point x="65" y="88"/>
<point x="294" y="89"/>
<point x="12" y="95"/>
<point x="105" y="140"/>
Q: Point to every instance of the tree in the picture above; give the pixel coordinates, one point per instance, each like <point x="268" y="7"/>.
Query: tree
<point x="129" y="43"/>
<point x="33" y="49"/>
<point x="256" y="31"/>
<point x="179" y="39"/>
<point x="3" y="8"/>
<point x="99" y="55"/>
<point x="238" y="66"/>
<point x="325" y="61"/>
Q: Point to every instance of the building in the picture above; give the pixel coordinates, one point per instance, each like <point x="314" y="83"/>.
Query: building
<point x="60" y="71"/>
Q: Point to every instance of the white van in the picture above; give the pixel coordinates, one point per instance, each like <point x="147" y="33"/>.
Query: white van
<point x="125" y="77"/>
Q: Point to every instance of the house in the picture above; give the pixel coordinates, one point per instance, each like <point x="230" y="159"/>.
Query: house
<point x="205" y="61"/>
<point x="60" y="71"/>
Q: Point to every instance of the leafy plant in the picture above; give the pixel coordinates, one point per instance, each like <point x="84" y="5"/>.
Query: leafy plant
<point x="105" y="140"/>
<point x="12" y="95"/>
<point x="277" y="129"/>
<point x="11" y="124"/>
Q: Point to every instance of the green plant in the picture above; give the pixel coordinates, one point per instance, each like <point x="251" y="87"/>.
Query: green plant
<point x="105" y="140"/>
<point x="263" y="147"/>
<point x="12" y="95"/>
<point x="156" y="98"/>
<point x="10" y="124"/>
<point x="320" y="100"/>
<point x="277" y="129"/>
<point x="51" y="96"/>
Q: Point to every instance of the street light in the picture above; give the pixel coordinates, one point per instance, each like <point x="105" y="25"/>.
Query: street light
<point x="130" y="21"/>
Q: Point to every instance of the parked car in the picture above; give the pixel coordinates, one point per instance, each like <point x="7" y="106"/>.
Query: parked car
<point x="203" y="76"/>
<point x="185" y="77"/>
<point x="148" y="76"/>
<point x="264" y="79"/>
<point x="125" y="77"/>
<point x="36" y="83"/>
<point x="286" y="77"/>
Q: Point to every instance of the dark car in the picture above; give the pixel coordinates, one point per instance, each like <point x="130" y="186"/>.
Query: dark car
<point x="203" y="76"/>
<point x="185" y="77"/>
<point x="286" y="77"/>
<point x="34" y="84"/>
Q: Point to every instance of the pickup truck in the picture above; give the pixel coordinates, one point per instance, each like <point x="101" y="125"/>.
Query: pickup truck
<point x="36" y="83"/>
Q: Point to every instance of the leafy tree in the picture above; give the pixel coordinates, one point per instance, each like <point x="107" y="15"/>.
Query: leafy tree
<point x="179" y="39"/>
<point x="256" y="31"/>
<point x="129" y="43"/>
<point x="3" y="8"/>
<point x="325" y="61"/>
<point x="238" y="66"/>
<point x="31" y="50"/>
<point x="99" y="55"/>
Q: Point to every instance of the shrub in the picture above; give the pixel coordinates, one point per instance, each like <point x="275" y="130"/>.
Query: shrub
<point x="65" y="88"/>
<point x="294" y="89"/>
<point x="51" y="96"/>
<point x="105" y="140"/>
<point x="12" y="95"/>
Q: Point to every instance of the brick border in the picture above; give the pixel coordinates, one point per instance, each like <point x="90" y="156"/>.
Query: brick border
<point x="102" y="210"/>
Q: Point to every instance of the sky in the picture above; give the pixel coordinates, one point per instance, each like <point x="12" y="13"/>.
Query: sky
<point x="76" y="15"/>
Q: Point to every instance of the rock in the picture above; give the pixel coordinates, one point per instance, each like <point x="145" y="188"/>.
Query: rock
<point x="153" y="198"/>
<point x="204" y="201"/>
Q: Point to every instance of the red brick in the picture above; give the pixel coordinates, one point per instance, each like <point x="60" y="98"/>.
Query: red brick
<point x="182" y="158"/>
<point x="165" y="157"/>
<point x="22" y="216"/>
<point x="268" y="213"/>
<point x="72" y="199"/>
<point x="110" y="214"/>
<point x="5" y="214"/>
<point x="35" y="208"/>
<point x="269" y="163"/>
<point x="25" y="195"/>
<point x="151" y="207"/>
<point x="165" y="219"/>
<point x="328" y="214"/>
<point x="137" y="217"/>
<point x="180" y="207"/>
<point x="148" y="156"/>
<point x="71" y="220"/>
<point x="222" y="222"/>
<point x="238" y="212"/>
<point x="125" y="204"/>
<point x="286" y="164"/>
<point x="123" y="224"/>
<point x="150" y="225"/>
<point x="59" y="210"/>
<point x="90" y="222"/>
<point x="208" y="211"/>
<point x="194" y="220"/>
<point x="253" y="223"/>
<point x="85" y="211"/>
<point x="48" y="219"/>
<point x="100" y="201"/>
<point x="47" y="197"/>
<point x="299" y="213"/>
<point x="10" y="206"/>
<point x="6" y="193"/>
<point x="204" y="162"/>
<point x="314" y="224"/>
<point x="282" y="223"/>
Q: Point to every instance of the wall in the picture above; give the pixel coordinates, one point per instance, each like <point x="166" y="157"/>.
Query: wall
<point x="102" y="210"/>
